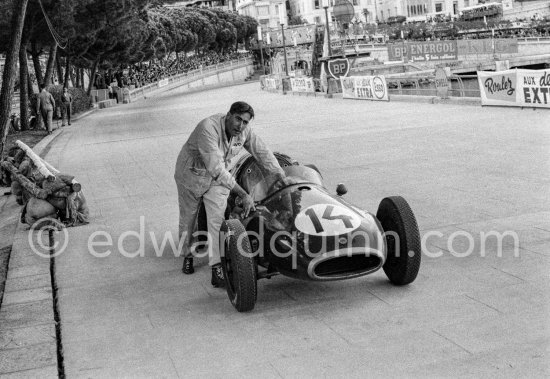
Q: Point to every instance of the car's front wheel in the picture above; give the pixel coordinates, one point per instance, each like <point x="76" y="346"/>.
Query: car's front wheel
<point x="239" y="266"/>
<point x="402" y="239"/>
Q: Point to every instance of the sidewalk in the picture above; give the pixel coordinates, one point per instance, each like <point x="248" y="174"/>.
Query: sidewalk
<point x="27" y="326"/>
<point x="28" y="344"/>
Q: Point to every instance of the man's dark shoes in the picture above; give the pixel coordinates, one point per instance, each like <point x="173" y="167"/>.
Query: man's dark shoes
<point x="188" y="265"/>
<point x="218" y="280"/>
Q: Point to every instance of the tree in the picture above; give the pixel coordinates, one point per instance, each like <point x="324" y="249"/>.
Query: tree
<point x="297" y="20"/>
<point x="8" y="76"/>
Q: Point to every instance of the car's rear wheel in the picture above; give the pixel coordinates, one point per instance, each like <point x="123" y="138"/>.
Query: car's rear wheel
<point x="239" y="266"/>
<point x="402" y="238"/>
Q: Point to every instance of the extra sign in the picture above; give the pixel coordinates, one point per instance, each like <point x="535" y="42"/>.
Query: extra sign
<point x="365" y="87"/>
<point x="338" y="67"/>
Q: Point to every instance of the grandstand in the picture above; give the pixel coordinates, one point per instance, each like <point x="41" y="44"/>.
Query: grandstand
<point x="485" y="12"/>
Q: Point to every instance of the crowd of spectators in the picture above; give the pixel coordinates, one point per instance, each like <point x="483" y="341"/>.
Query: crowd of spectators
<point x="145" y="73"/>
<point x="424" y="31"/>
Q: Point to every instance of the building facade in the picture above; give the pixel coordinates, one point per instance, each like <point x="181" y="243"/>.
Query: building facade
<point x="222" y="4"/>
<point x="269" y="13"/>
<point x="371" y="11"/>
<point x="313" y="12"/>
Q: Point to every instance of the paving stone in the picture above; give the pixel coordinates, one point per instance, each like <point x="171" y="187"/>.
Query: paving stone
<point x="48" y="372"/>
<point x="28" y="295"/>
<point x="29" y="357"/>
<point x="23" y="271"/>
<point x="28" y="282"/>
<point x="20" y="337"/>
<point x="26" y="314"/>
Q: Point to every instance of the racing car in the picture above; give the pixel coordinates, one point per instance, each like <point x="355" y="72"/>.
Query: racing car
<point x="300" y="230"/>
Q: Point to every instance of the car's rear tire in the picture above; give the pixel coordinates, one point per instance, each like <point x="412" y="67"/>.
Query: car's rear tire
<point x="239" y="266"/>
<point x="398" y="221"/>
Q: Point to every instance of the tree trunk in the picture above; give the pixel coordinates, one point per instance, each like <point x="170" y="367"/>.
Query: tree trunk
<point x="30" y="89"/>
<point x="82" y="78"/>
<point x="23" y="87"/>
<point x="59" y="69"/>
<point x="36" y="62"/>
<point x="77" y="83"/>
<point x="71" y="74"/>
<point x="49" y="69"/>
<point x="92" y="74"/>
<point x="67" y="71"/>
<point x="10" y="66"/>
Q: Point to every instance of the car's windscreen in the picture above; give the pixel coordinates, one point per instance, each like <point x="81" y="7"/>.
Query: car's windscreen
<point x="295" y="175"/>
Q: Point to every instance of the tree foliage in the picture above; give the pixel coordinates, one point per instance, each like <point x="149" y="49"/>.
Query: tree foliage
<point x="122" y="32"/>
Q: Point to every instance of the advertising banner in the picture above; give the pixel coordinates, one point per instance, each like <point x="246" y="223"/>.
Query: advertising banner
<point x="520" y="88"/>
<point x="487" y="46"/>
<point x="365" y="88"/>
<point x="302" y="84"/>
<point x="534" y="88"/>
<point x="423" y="51"/>
<point x="271" y="84"/>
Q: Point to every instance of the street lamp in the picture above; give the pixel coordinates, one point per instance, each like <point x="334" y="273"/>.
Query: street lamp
<point x="260" y="42"/>
<point x="282" y="21"/>
<point x="325" y="5"/>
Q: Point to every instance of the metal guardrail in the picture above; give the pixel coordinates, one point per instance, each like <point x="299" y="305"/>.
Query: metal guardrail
<point x="533" y="39"/>
<point x="189" y="76"/>
<point x="276" y="83"/>
<point x="425" y="86"/>
<point x="410" y="85"/>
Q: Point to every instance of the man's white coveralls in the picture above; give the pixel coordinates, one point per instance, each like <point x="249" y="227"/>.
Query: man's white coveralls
<point x="201" y="172"/>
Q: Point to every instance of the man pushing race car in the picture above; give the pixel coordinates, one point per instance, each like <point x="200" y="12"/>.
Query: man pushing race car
<point x="202" y="176"/>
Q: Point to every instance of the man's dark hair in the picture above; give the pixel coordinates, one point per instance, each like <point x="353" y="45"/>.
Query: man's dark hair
<point x="42" y="86"/>
<point x="240" y="107"/>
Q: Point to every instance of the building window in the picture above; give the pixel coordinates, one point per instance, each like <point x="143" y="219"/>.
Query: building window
<point x="263" y="10"/>
<point x="466" y="3"/>
<point x="455" y="7"/>
<point x="316" y="2"/>
<point x="317" y="19"/>
<point x="355" y="2"/>
<point x="438" y="7"/>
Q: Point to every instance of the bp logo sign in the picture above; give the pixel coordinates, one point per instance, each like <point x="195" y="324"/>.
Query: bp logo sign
<point x="338" y="67"/>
